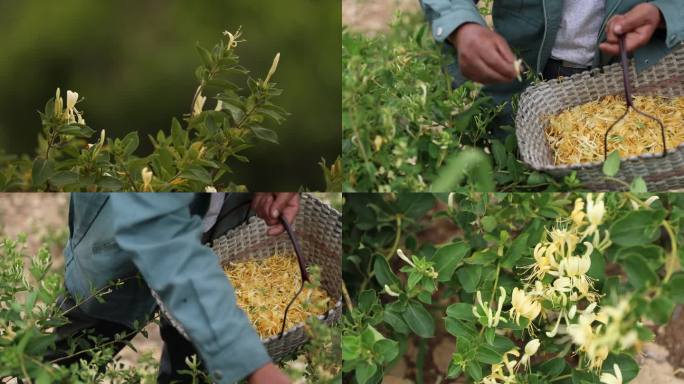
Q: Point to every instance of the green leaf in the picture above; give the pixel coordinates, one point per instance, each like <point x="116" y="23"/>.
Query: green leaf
<point x="474" y="370"/>
<point x="471" y="163"/>
<point x="638" y="185"/>
<point x="461" y="311"/>
<point x="61" y="179"/>
<point x="488" y="223"/>
<point x="383" y="273"/>
<point x="386" y="348"/>
<point x="131" y="142"/>
<point x="447" y="258"/>
<point x="612" y="164"/>
<point x="487" y="355"/>
<point x="42" y="170"/>
<point x="364" y="372"/>
<point x="638" y="272"/>
<point x="205" y="55"/>
<point x="676" y="287"/>
<point x="628" y="367"/>
<point x="469" y="277"/>
<point x="396" y="322"/>
<point x="419" y="319"/>
<point x="553" y="367"/>
<point x="351" y="347"/>
<point x="636" y="227"/>
<point x="516" y="251"/>
<point x="265" y="134"/>
<point x="661" y="309"/>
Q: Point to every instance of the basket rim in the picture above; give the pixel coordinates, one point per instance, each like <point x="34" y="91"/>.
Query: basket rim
<point x="527" y="94"/>
<point x="301" y="324"/>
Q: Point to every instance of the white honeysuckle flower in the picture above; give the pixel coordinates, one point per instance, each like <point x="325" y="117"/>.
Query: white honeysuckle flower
<point x="402" y="256"/>
<point x="147" y="179"/>
<point x="219" y="106"/>
<point x="609" y="378"/>
<point x="199" y="105"/>
<point x="274" y="66"/>
<point x="71" y="100"/>
<point x="210" y="189"/>
<point x="595" y="210"/>
<point x="651" y="200"/>
<point x="298" y="365"/>
<point x="532" y="347"/>
<point x="390" y="292"/>
<point x="572" y="312"/>
<point x="450" y="201"/>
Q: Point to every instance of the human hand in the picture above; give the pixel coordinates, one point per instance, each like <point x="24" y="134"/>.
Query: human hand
<point x="270" y="206"/>
<point x="637" y="25"/>
<point x="268" y="374"/>
<point x="483" y="55"/>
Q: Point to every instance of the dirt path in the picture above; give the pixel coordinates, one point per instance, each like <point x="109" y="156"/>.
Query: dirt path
<point x="373" y="16"/>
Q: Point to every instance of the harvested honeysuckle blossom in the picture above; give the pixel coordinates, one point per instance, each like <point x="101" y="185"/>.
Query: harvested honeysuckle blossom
<point x="517" y="65"/>
<point x="609" y="378"/>
<point x="147" y="179"/>
<point x="492" y="319"/>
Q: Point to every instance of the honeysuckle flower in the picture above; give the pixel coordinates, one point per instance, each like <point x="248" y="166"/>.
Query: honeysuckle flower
<point x="647" y="203"/>
<point x="578" y="214"/>
<point x="530" y="349"/>
<point x="402" y="256"/>
<point x="564" y="240"/>
<point x="377" y="143"/>
<point x="575" y="266"/>
<point x="147" y="179"/>
<point x="523" y="305"/>
<point x="609" y="378"/>
<point x="71" y="100"/>
<point x="390" y="292"/>
<point x="199" y="104"/>
<point x="274" y="66"/>
<point x="210" y="189"/>
<point x="58" y="103"/>
<point x="233" y="39"/>
<point x="219" y="106"/>
<point x="493" y="319"/>
<point x="595" y="211"/>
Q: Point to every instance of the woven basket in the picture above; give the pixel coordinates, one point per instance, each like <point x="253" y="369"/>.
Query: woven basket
<point x="666" y="78"/>
<point x="319" y="229"/>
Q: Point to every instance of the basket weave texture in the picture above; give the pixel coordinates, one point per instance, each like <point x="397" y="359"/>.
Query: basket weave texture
<point x="539" y="102"/>
<point x="319" y="229"/>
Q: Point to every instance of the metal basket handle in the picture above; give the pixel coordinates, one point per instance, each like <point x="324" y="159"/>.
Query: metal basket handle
<point x="629" y="102"/>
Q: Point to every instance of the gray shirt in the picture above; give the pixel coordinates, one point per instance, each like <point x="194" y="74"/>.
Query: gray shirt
<point x="578" y="32"/>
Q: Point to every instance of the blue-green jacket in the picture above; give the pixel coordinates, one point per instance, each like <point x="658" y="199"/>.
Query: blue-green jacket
<point x="157" y="238"/>
<point x="530" y="26"/>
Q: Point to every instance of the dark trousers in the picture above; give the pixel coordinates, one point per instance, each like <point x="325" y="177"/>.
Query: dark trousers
<point x="176" y="348"/>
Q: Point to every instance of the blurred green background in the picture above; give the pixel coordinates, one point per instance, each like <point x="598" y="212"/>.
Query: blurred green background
<point x="134" y="63"/>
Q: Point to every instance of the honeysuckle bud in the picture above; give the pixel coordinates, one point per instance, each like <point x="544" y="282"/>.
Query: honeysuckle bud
<point x="609" y="378"/>
<point x="402" y="256"/>
<point x="532" y="346"/>
<point x="274" y="66"/>
<point x="390" y="292"/>
<point x="199" y="104"/>
<point x="58" y="103"/>
<point x="219" y="106"/>
<point x="595" y="209"/>
<point x="450" y="201"/>
<point x="147" y="179"/>
<point x="377" y="143"/>
<point x="210" y="189"/>
<point x="71" y="100"/>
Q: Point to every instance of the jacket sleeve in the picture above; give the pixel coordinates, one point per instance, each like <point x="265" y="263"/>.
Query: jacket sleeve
<point x="162" y="240"/>
<point x="445" y="16"/>
<point x="673" y="13"/>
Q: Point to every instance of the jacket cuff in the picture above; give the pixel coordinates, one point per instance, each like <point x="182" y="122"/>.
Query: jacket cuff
<point x="673" y="14"/>
<point x="444" y="25"/>
<point x="237" y="361"/>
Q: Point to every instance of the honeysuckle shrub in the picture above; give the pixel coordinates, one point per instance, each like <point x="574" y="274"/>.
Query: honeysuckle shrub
<point x="533" y="288"/>
<point x="29" y="292"/>
<point x="223" y="121"/>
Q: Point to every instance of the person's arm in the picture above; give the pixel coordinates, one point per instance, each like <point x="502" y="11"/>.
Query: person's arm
<point x="483" y="55"/>
<point x="162" y="240"/>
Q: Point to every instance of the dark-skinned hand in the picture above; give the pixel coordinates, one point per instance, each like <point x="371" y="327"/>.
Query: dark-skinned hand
<point x="270" y="206"/>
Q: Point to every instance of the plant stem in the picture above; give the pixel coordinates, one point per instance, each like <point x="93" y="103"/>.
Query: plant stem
<point x="347" y="298"/>
<point x="397" y="238"/>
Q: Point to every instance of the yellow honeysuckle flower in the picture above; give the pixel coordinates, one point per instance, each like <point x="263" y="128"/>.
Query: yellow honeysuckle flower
<point x="524" y="305"/>
<point x="578" y="214"/>
<point x="199" y="104"/>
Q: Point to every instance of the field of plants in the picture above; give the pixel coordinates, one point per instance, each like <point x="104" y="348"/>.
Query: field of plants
<point x="405" y="128"/>
<point x="31" y="280"/>
<point x="565" y="288"/>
